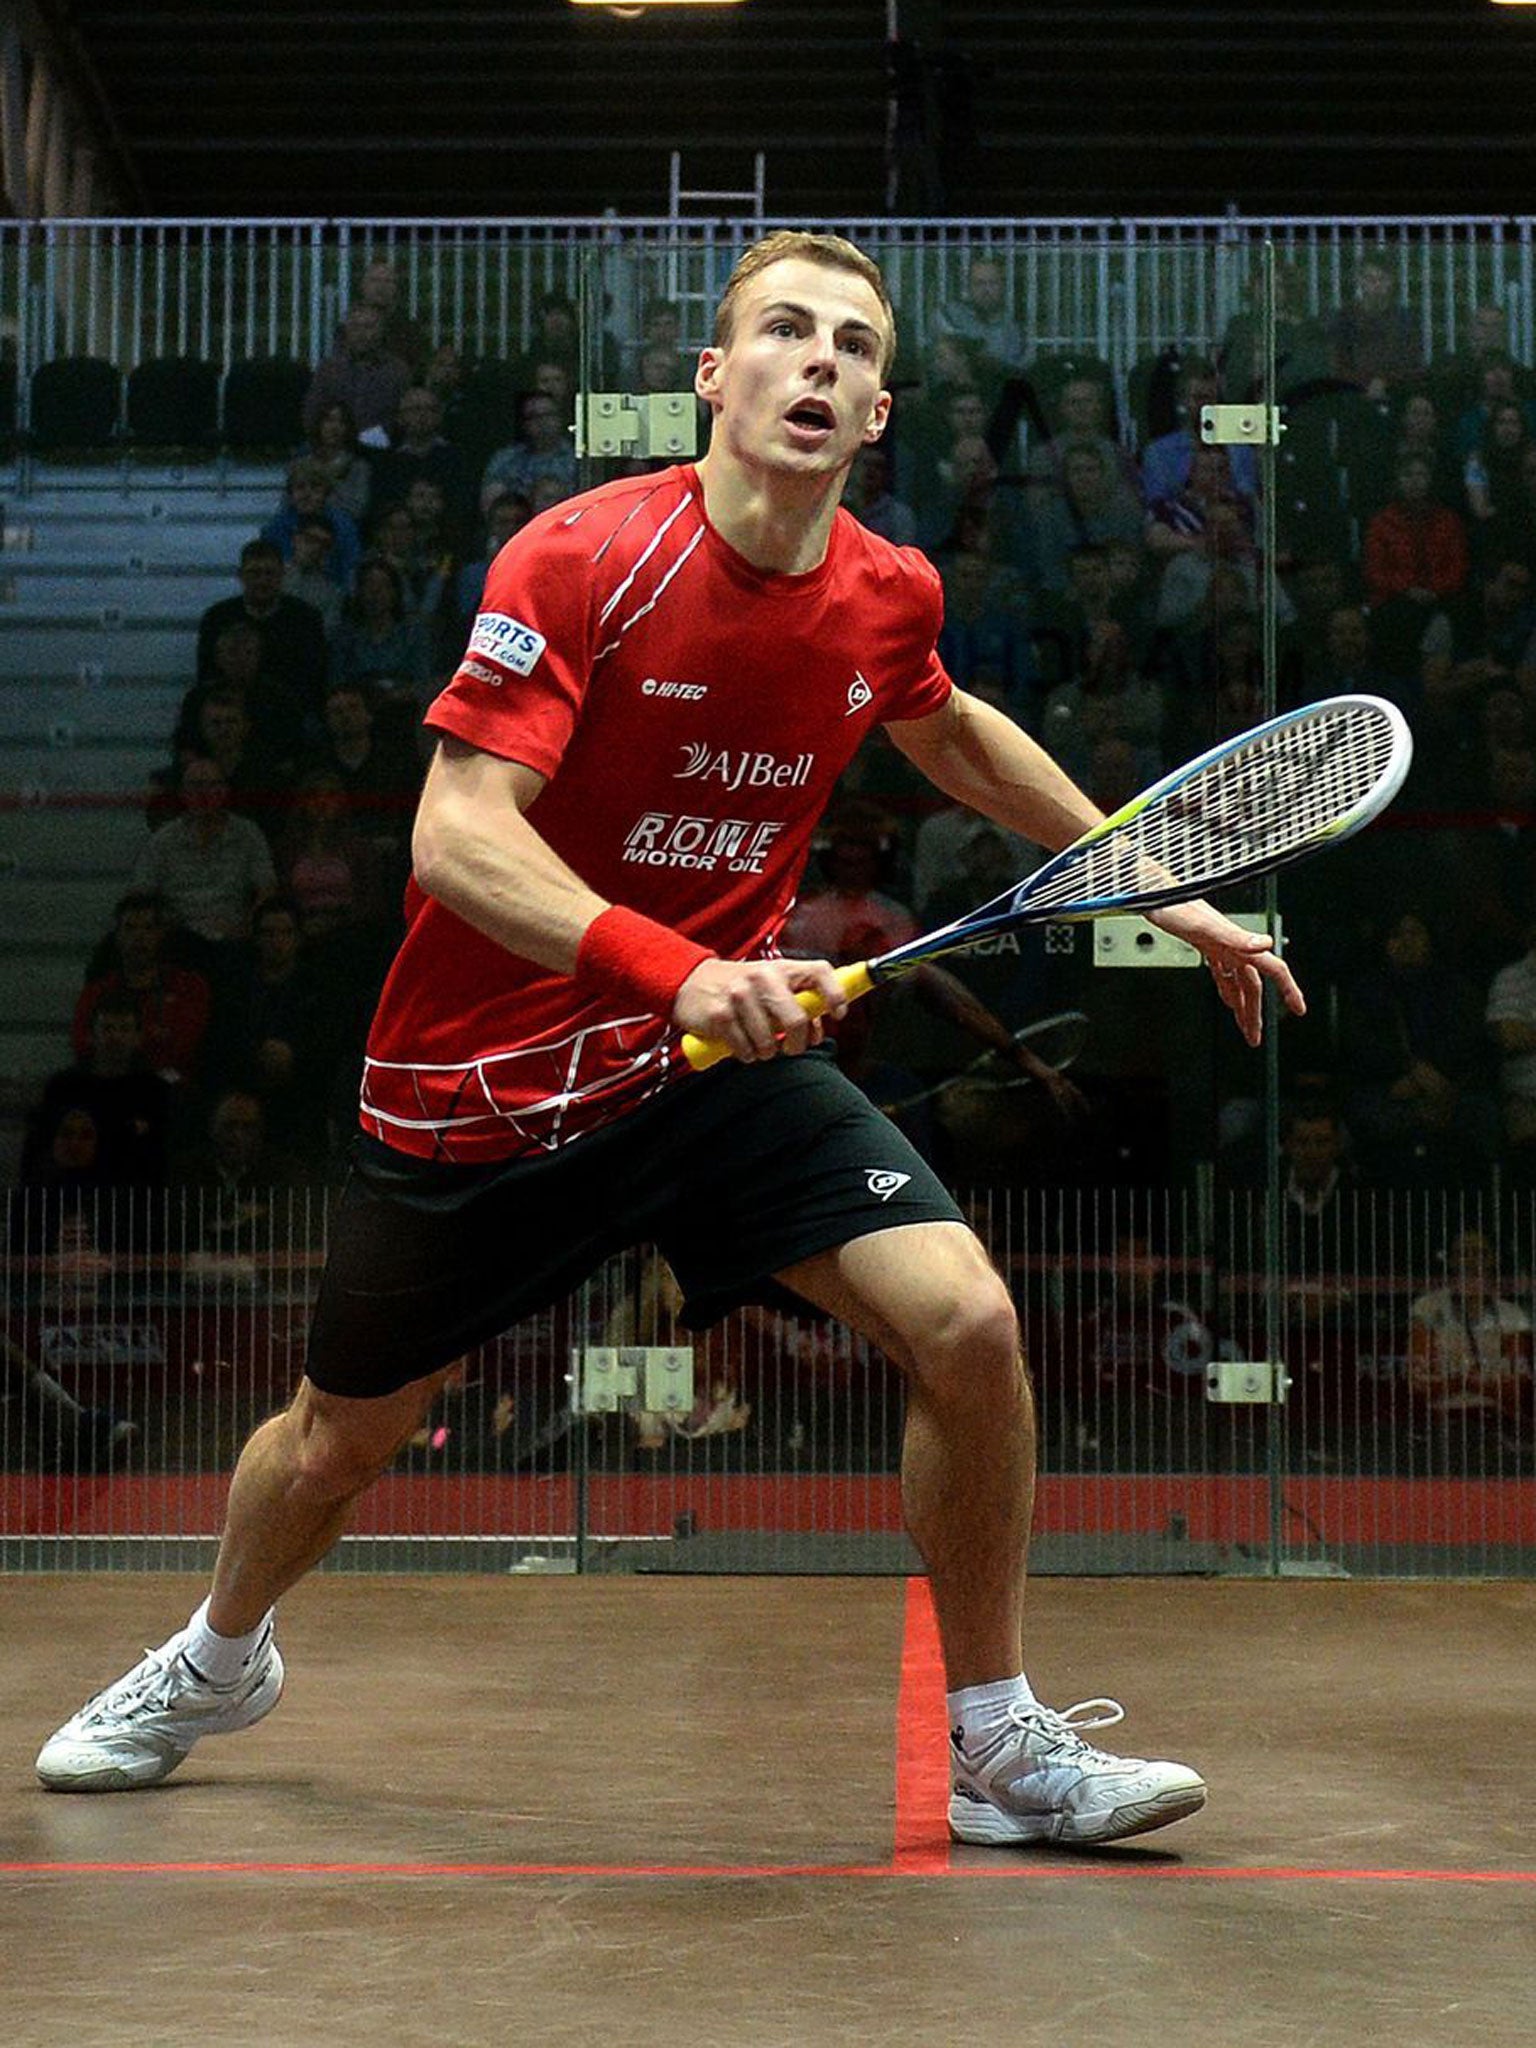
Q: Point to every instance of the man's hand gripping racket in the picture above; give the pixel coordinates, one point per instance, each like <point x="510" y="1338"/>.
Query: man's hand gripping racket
<point x="1290" y="787"/>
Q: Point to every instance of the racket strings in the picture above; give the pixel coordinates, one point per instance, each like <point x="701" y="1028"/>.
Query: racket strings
<point x="1254" y="808"/>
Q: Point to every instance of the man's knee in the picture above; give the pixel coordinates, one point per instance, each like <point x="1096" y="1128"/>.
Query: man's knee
<point x="973" y="1328"/>
<point x="341" y="1446"/>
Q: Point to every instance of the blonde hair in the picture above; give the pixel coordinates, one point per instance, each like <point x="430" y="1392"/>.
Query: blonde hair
<point x="833" y="252"/>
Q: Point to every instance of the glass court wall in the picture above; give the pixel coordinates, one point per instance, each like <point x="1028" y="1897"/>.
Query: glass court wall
<point x="1353" y="1204"/>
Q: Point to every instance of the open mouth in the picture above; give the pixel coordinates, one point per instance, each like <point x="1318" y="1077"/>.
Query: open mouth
<point x="812" y="415"/>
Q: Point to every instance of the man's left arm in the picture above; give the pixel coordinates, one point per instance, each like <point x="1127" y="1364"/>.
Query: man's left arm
<point x="976" y="754"/>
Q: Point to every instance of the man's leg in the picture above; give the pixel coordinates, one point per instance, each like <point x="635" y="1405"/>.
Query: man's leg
<point x="1020" y="1772"/>
<point x="292" y="1496"/>
<point x="928" y="1296"/>
<point x="294" y="1489"/>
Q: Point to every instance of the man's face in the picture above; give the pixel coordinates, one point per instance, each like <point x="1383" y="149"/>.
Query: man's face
<point x="424" y="502"/>
<point x="1349" y="639"/>
<point x="262" y="581"/>
<point x="420" y="415"/>
<point x="541" y="423"/>
<point x="1408" y="944"/>
<point x="874" y="470"/>
<point x="114" y="1041"/>
<point x="1319" y="587"/>
<point x="311" y="548"/>
<point x="364" y="329"/>
<point x="798" y="391"/>
<point x="1469" y="1265"/>
<point x="346" y="716"/>
<point x="237" y="656"/>
<point x="140" y="936"/>
<point x="1080" y="412"/>
<point x="1509" y="588"/>
<point x="1376" y="287"/>
<point x="986" y="285"/>
<point x="203" y="788"/>
<point x="277" y="941"/>
<point x="1508" y="426"/>
<point x="1313" y="1150"/>
<point x="968" y="579"/>
<point x="380" y="287"/>
<point x="236" y="1132"/>
<point x="1413" y="483"/>
<point x="75" y="1142"/>
<point x="225" y="728"/>
<point x="504" y="521"/>
<point x="307" y="495"/>
<point x="1089" y="575"/>
<point x="554" y="381"/>
<point x="967" y="414"/>
<point x="1083" y="474"/>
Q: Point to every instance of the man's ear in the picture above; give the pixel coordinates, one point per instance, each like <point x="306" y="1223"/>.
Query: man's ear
<point x="879" y="416"/>
<point x="706" y="378"/>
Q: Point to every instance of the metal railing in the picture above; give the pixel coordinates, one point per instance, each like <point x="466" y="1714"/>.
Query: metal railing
<point x="220" y="289"/>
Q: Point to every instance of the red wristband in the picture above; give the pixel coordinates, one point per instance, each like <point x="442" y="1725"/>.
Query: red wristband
<point x="623" y="953"/>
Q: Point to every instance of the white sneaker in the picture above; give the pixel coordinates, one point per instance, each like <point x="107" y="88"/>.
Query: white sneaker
<point x="138" y="1730"/>
<point x="1039" y="1781"/>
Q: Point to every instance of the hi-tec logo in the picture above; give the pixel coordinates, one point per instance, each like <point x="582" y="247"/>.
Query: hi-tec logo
<point x="883" y="1182"/>
<point x="664" y="839"/>
<point x="732" y="769"/>
<point x="859" y="694"/>
<point x="687" y="693"/>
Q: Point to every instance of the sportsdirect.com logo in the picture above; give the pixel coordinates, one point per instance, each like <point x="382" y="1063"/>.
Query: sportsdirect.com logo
<point x="507" y="641"/>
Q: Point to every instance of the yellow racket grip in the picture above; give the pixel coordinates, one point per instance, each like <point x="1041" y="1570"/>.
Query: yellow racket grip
<point x="854" y="981"/>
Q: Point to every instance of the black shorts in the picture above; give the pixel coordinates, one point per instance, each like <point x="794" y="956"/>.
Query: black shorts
<point x="732" y="1175"/>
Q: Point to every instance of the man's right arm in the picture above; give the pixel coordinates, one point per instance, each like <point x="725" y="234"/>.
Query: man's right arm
<point x="474" y="850"/>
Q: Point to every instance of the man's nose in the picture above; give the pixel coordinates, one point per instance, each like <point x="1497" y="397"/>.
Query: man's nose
<point x="820" y="359"/>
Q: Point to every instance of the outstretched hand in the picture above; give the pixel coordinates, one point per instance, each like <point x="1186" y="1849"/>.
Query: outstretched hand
<point x="1240" y="962"/>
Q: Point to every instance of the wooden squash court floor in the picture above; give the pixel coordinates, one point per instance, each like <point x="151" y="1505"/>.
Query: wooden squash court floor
<point x="657" y="1810"/>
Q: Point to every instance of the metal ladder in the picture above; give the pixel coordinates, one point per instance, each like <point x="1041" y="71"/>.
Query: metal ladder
<point x="696" y="267"/>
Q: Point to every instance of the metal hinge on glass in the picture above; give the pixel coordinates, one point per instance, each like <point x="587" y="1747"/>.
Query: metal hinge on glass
<point x="661" y="423"/>
<point x="1233" y="426"/>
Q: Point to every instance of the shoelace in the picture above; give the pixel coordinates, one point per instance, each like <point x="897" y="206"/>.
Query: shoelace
<point x="1061" y="1728"/>
<point x="147" y="1684"/>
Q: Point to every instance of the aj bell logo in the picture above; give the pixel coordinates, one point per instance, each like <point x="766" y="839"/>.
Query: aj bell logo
<point x="731" y="770"/>
<point x="859" y="694"/>
<point x="883" y="1183"/>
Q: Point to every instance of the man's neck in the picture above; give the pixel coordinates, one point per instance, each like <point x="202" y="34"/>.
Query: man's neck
<point x="780" y="525"/>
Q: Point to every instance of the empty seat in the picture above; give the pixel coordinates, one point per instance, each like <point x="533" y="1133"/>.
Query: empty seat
<point x="173" y="402"/>
<point x="76" y="403"/>
<point x="264" y="404"/>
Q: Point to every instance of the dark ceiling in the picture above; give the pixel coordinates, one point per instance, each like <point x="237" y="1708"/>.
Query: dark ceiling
<point x="543" y="107"/>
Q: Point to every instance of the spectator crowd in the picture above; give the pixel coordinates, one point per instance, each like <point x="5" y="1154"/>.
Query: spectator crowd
<point x="1102" y="574"/>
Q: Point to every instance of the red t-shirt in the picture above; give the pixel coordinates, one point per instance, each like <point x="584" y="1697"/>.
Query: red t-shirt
<point x="691" y="715"/>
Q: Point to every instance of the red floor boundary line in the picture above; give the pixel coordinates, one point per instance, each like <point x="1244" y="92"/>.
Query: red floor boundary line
<point x="1006" y="1866"/>
<point x="922" y="1766"/>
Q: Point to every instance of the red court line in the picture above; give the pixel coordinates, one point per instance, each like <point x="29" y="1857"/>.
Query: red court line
<point x="922" y="1766"/>
<point x="1033" y="1865"/>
